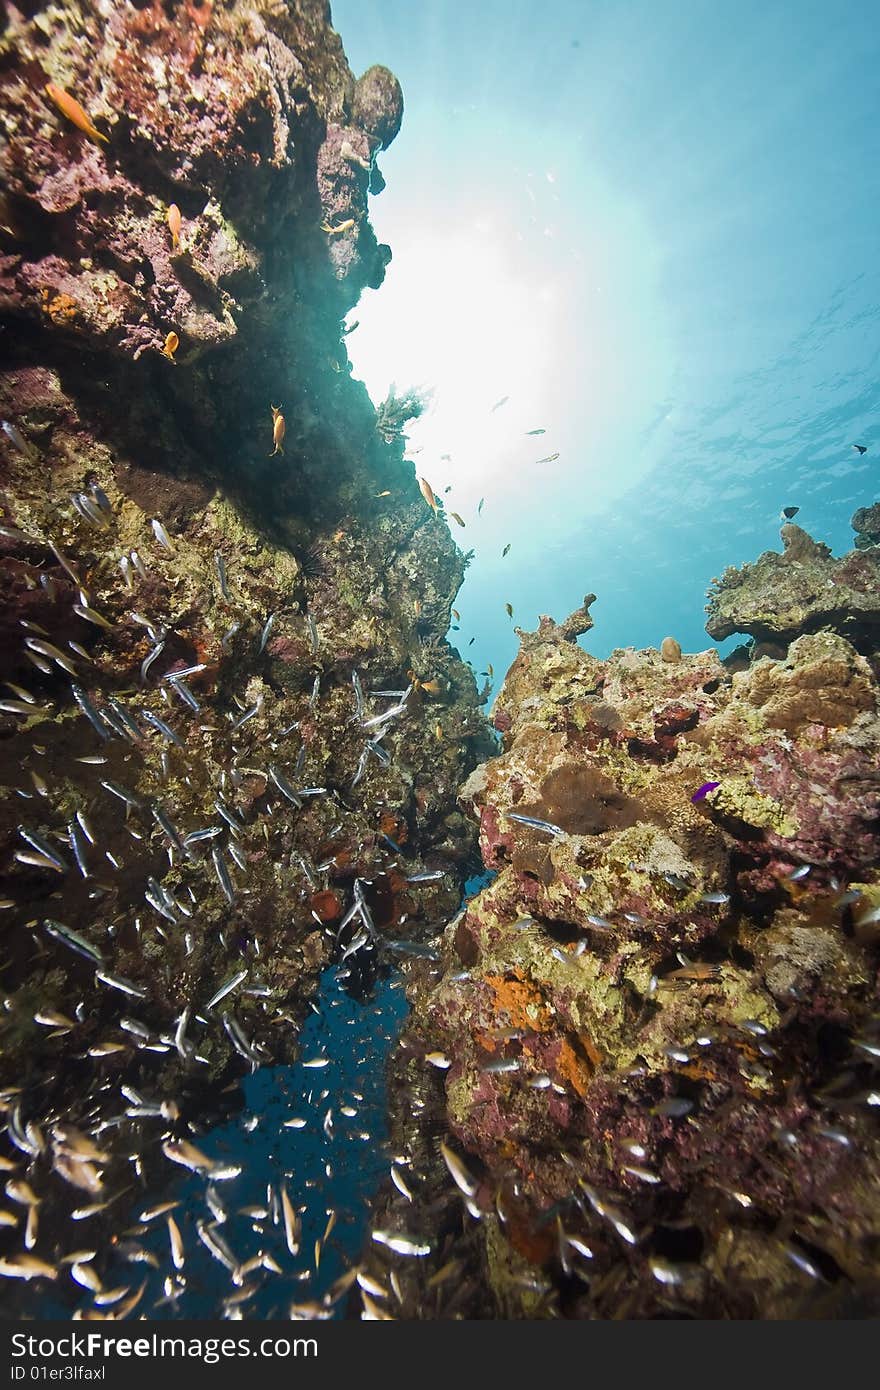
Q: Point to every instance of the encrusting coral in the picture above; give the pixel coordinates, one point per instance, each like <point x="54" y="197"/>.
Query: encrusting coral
<point x="651" y="1038"/>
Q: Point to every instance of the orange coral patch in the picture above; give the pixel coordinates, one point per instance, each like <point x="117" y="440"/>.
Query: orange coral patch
<point x="521" y="1002"/>
<point x="60" y="308"/>
<point x="574" y="1069"/>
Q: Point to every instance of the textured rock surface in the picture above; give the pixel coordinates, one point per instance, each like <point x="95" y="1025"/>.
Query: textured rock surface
<point x="146" y="529"/>
<point x="657" y="1025"/>
<point x="780" y="597"/>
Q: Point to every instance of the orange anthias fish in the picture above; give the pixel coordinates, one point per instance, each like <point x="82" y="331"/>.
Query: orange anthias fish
<point x="174" y="222"/>
<point x="278" y="428"/>
<point x="428" y="493"/>
<point x="172" y="343"/>
<point x="70" y="107"/>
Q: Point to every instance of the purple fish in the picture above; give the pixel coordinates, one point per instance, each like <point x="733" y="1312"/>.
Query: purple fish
<point x="704" y="790"/>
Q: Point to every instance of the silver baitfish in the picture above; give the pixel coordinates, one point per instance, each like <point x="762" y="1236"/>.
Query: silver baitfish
<point x="227" y="987"/>
<point x="161" y="535"/>
<point x="223" y="875"/>
<point x="546" y="827"/>
<point x="72" y="939"/>
<point x="267" y="631"/>
<point x="221" y="575"/>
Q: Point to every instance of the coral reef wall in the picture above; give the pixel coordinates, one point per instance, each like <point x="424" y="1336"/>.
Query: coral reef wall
<point x="210" y="560"/>
<point x="651" y="1041"/>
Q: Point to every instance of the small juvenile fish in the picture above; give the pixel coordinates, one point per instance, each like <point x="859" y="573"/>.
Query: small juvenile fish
<point x="400" y="1244"/>
<point x="704" y="791"/>
<point x="245" y="1049"/>
<point x="150" y="658"/>
<point x="838" y="1136"/>
<point x="73" y="940"/>
<point x="150" y="1213"/>
<point x="799" y="873"/>
<point x="721" y="898"/>
<point x="183" y="1152"/>
<point x="168" y="349"/>
<point x="455" y="517"/>
<point x="270" y="623"/>
<point x="428" y="493"/>
<point x="42" y="846"/>
<point x="223" y="875"/>
<point x="20" y="1191"/>
<point x="174" y="223"/>
<point x="87" y="508"/>
<point x="14" y="434"/>
<point x="502" y="1065"/>
<point x="292" y="1227"/>
<point x="551" y="458"/>
<point x="536" y="432"/>
<point x="400" y="1183"/>
<point x="284" y="786"/>
<point x="506" y="550"/>
<point x="674" y="1108"/>
<point x="27" y="1267"/>
<point x="124" y="795"/>
<point x="546" y="827"/>
<point x="278" y="430"/>
<point x="664" y="1272"/>
<point x="119" y="982"/>
<point x="124" y="718"/>
<point x="70" y="107"/>
<point x="463" y="1179"/>
<point x="799" y="1259"/>
<point x="164" y="729"/>
<point x="429" y="876"/>
<point x="316" y="1062"/>
<point x="89" y="711"/>
<point x="161" y="535"/>
<point x="438" y="1059"/>
<point x="643" y="1174"/>
<point x="38" y="644"/>
<point x="50" y="1018"/>
<point x="177" y="1252"/>
<point x="77" y="844"/>
<point x="227" y="987"/>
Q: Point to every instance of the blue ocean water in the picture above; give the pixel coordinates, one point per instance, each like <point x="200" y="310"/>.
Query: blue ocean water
<point x="651" y="225"/>
<point x="331" y="1164"/>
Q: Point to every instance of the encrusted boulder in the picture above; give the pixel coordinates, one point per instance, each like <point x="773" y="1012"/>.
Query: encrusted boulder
<point x="649" y="1040"/>
<point x="781" y="597"/>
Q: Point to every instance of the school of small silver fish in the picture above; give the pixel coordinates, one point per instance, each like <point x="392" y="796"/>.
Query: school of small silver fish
<point x="145" y="811"/>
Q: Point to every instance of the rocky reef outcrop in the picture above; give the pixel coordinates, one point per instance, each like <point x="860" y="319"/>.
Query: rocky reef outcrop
<point x="231" y="729"/>
<point x="651" y="1040"/>
<point x="804" y="589"/>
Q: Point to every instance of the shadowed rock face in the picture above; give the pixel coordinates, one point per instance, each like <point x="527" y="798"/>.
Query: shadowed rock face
<point x="655" y="1029"/>
<point x="780" y="597"/>
<point x="146" y="530"/>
